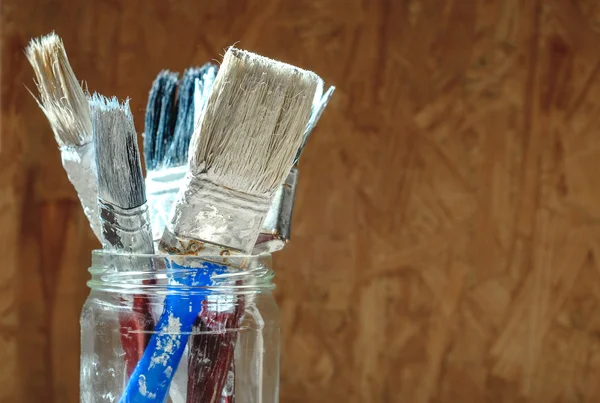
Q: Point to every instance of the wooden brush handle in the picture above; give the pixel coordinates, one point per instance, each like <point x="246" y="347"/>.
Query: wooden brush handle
<point x="135" y="330"/>
<point x="211" y="354"/>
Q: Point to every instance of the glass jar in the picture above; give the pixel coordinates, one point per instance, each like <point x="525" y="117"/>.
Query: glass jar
<point x="180" y="329"/>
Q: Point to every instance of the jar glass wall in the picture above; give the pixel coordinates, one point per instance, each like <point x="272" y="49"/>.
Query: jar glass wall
<point x="181" y="329"/>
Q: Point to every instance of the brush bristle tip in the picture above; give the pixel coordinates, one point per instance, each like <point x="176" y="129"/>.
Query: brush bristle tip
<point x="254" y="122"/>
<point x="119" y="171"/>
<point x="61" y="97"/>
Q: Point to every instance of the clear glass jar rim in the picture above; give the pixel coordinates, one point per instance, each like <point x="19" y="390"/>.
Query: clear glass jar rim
<point x="187" y="274"/>
<point x="103" y="252"/>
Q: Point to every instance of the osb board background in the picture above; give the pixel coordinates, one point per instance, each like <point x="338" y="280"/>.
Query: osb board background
<point x="447" y="233"/>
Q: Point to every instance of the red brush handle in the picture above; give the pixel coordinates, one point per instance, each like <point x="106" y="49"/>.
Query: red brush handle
<point x="135" y="329"/>
<point x="211" y="354"/>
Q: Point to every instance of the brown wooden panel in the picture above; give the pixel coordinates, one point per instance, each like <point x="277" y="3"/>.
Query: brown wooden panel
<point x="446" y="238"/>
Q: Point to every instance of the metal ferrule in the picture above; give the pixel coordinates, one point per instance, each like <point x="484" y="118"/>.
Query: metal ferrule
<point x="162" y="187"/>
<point x="126" y="230"/>
<point x="209" y="218"/>
<point x="79" y="163"/>
<point x="277" y="227"/>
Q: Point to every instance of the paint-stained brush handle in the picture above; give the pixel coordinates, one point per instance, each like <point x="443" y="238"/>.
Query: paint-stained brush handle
<point x="151" y="379"/>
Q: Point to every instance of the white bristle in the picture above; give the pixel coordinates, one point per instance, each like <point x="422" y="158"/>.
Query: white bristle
<point x="253" y="124"/>
<point x="61" y="97"/>
<point x="120" y="180"/>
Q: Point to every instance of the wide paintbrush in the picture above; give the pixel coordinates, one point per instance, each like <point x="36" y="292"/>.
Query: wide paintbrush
<point x="241" y="152"/>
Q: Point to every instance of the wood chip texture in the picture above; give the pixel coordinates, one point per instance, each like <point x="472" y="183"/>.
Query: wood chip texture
<point x="446" y="238"/>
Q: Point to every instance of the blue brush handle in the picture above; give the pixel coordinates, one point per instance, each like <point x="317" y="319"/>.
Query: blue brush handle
<point x="151" y="379"/>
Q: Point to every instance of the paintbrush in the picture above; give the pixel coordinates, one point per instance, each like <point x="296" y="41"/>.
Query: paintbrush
<point x="65" y="105"/>
<point x="123" y="211"/>
<point x="242" y="149"/>
<point x="240" y="159"/>
<point x="169" y="127"/>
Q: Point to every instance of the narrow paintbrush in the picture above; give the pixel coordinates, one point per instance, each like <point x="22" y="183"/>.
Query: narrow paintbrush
<point x="65" y="104"/>
<point x="161" y="115"/>
<point x="124" y="218"/>
<point x="167" y="164"/>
